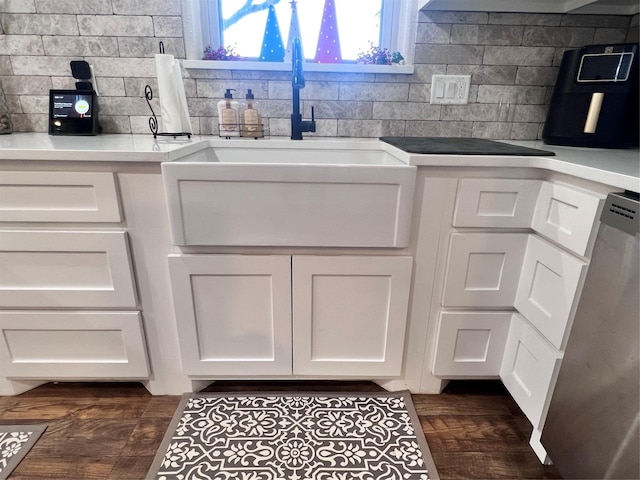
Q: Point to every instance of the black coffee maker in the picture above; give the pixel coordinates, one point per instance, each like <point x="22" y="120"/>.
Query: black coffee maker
<point x="595" y="99"/>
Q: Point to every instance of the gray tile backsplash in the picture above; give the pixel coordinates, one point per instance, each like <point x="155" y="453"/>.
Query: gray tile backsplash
<point x="512" y="58"/>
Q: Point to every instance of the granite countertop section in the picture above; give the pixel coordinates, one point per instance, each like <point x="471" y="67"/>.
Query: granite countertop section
<point x="617" y="168"/>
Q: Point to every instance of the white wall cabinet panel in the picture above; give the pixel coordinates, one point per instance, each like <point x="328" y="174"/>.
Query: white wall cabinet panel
<point x="58" y="197"/>
<point x="497" y="203"/>
<point x="483" y="269"/>
<point x="233" y="313"/>
<point x="529" y="366"/>
<point x="471" y="343"/>
<point x="349" y="314"/>
<point x="566" y="215"/>
<point x="72" y="345"/>
<point x="548" y="286"/>
<point x="65" y="269"/>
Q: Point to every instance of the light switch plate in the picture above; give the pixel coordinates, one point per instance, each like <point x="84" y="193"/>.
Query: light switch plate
<point x="450" y="89"/>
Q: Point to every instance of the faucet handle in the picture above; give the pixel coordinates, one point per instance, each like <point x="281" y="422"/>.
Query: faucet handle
<point x="312" y="123"/>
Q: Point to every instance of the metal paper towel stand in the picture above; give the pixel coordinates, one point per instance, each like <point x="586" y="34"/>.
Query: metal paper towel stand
<point x="153" y="120"/>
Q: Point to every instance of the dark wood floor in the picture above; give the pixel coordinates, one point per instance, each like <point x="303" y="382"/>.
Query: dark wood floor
<point x="112" y="431"/>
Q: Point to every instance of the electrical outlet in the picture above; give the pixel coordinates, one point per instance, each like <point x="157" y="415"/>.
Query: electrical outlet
<point x="450" y="89"/>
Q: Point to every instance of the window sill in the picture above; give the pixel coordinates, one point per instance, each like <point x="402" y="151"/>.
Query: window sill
<point x="286" y="66"/>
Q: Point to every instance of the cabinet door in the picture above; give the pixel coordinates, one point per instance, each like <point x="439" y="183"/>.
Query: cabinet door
<point x="529" y="367"/>
<point x="547" y="289"/>
<point x="75" y="344"/>
<point x="350" y="314"/>
<point x="499" y="203"/>
<point x="483" y="269"/>
<point x="567" y="215"/>
<point x="233" y="313"/>
<point x="470" y="343"/>
<point x="60" y="269"/>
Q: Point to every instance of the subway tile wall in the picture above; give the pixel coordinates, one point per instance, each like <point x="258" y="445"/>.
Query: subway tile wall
<point x="512" y="58"/>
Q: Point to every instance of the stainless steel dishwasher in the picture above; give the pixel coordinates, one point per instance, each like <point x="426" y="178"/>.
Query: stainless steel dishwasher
<point x="593" y="426"/>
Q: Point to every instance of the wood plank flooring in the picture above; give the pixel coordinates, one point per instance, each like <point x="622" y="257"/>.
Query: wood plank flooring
<point x="112" y="430"/>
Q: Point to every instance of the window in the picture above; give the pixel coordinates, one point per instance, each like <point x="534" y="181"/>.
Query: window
<point x="241" y="25"/>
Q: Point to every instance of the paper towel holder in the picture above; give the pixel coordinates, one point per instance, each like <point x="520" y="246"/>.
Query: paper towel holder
<point x="153" y="120"/>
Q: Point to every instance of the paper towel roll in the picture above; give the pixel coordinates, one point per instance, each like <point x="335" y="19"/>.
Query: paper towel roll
<point x="173" y="100"/>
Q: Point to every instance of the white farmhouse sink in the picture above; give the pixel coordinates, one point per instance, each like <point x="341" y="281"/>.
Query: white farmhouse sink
<point x="284" y="193"/>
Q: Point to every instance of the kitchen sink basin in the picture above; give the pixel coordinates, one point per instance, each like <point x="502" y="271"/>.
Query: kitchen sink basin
<point x="311" y="194"/>
<point x="296" y="156"/>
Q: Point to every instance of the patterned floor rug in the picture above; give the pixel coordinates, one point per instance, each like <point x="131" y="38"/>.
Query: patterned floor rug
<point x="294" y="436"/>
<point x="15" y="443"/>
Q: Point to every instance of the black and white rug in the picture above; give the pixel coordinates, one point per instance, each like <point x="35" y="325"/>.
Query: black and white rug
<point x="15" y="443"/>
<point x="294" y="436"/>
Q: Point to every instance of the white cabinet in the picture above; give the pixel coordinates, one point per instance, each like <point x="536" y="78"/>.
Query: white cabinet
<point x="68" y="300"/>
<point x="53" y="268"/>
<point x="530" y="276"/>
<point x="471" y="343"/>
<point x="233" y="313"/>
<point x="566" y="215"/>
<point x="483" y="269"/>
<point x="252" y="315"/>
<point x="529" y="366"/>
<point x="58" y="197"/>
<point x="349" y="314"/>
<point x="72" y="344"/>
<point x="563" y="213"/>
<point x="547" y="290"/>
<point x="497" y="203"/>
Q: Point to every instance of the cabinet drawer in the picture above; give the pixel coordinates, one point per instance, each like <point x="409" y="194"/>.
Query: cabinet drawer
<point x="528" y="369"/>
<point x="65" y="269"/>
<point x="547" y="289"/>
<point x="500" y="203"/>
<point x="58" y="197"/>
<point x="72" y="345"/>
<point x="471" y="343"/>
<point x="483" y="269"/>
<point x="567" y="215"/>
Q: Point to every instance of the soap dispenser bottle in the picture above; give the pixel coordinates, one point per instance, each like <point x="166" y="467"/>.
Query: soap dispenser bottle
<point x="228" y="115"/>
<point x="251" y="121"/>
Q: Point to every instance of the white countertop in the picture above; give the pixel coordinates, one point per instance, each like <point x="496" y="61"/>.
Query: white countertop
<point x="127" y="148"/>
<point x="144" y="148"/>
<point x="618" y="168"/>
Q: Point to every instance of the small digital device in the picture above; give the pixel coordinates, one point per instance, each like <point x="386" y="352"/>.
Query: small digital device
<point x="73" y="112"/>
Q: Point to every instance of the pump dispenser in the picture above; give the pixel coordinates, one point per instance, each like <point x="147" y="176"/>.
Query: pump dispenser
<point x="251" y="121"/>
<point x="228" y="115"/>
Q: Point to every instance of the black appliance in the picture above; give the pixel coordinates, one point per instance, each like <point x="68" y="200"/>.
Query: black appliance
<point x="75" y="112"/>
<point x="461" y="146"/>
<point x="595" y="99"/>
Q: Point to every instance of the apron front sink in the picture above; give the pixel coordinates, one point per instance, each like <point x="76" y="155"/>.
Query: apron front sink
<point x="287" y="194"/>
